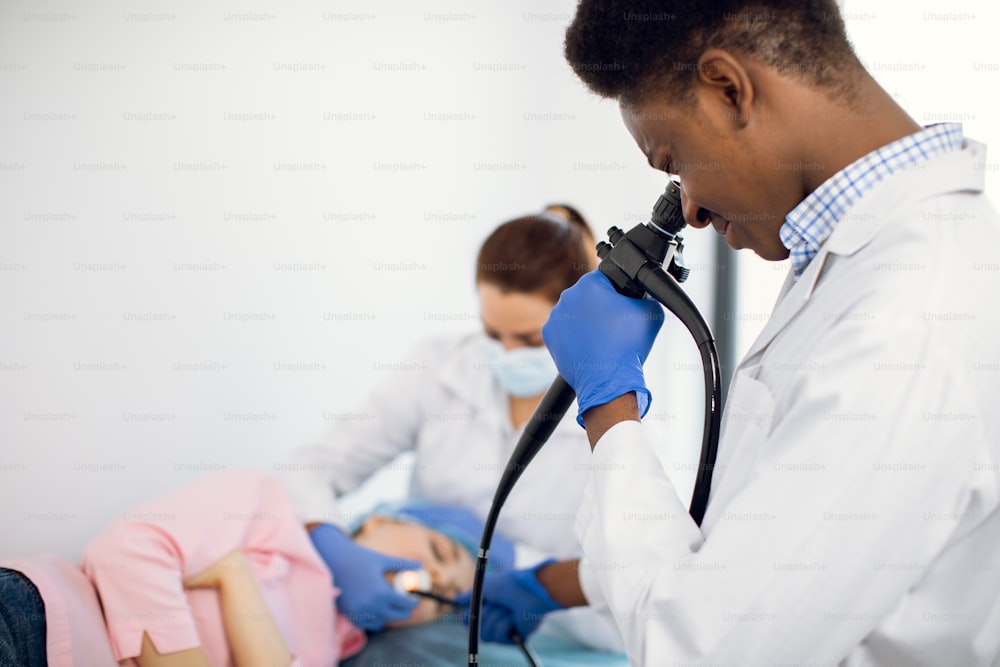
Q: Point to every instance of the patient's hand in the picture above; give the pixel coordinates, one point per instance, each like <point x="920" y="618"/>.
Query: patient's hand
<point x="251" y="631"/>
<point x="233" y="564"/>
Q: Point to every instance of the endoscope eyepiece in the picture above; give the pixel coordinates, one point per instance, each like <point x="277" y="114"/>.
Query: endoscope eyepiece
<point x="667" y="216"/>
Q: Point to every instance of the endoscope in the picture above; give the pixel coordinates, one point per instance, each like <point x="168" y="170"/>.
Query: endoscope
<point x="633" y="261"/>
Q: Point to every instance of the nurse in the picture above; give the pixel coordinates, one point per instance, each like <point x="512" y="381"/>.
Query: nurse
<point x="459" y="403"/>
<point x="855" y="508"/>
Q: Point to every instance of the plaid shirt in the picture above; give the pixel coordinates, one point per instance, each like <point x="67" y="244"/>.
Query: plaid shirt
<point x="809" y="225"/>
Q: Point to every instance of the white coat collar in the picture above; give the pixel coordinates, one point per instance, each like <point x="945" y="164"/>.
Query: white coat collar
<point x="954" y="171"/>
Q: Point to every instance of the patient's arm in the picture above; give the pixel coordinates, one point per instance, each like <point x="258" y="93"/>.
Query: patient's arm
<point x="251" y="632"/>
<point x="149" y="657"/>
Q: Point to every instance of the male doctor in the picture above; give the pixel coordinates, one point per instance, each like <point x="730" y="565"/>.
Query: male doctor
<point x="854" y="513"/>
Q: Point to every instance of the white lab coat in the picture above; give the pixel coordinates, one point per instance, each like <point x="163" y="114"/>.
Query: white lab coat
<point x="854" y="514"/>
<point x="445" y="404"/>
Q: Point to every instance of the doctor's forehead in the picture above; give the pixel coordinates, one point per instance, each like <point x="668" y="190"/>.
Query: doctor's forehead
<point x="655" y="113"/>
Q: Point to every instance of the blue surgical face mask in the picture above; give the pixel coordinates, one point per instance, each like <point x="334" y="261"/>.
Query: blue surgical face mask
<point x="523" y="371"/>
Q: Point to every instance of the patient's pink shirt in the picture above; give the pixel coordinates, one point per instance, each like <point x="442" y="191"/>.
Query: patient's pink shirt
<point x="138" y="563"/>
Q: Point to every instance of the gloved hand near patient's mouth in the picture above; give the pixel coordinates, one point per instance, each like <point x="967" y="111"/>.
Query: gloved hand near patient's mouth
<point x="513" y="601"/>
<point x="366" y="598"/>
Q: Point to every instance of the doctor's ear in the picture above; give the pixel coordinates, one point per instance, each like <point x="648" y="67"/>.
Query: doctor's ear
<point x="725" y="79"/>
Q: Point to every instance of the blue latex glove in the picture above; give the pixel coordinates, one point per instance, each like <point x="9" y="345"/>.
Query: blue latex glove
<point x="366" y="598"/>
<point x="513" y="601"/>
<point x="600" y="339"/>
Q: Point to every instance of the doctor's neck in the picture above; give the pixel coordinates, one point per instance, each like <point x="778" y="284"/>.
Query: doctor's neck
<point x="838" y="130"/>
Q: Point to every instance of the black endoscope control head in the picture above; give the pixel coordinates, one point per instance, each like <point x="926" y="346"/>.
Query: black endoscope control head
<point x="668" y="218"/>
<point x="667" y="215"/>
<point x="653" y="242"/>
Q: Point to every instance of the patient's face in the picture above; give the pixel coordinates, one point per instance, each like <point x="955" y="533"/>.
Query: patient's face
<point x="449" y="565"/>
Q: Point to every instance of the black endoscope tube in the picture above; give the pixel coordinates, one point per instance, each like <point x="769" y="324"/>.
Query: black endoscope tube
<point x="537" y="431"/>
<point x="662" y="287"/>
<point x="639" y="261"/>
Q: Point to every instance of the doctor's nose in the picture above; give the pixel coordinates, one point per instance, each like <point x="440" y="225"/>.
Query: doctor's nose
<point x="694" y="215"/>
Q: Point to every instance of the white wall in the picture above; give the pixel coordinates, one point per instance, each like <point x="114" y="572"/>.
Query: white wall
<point x="219" y="220"/>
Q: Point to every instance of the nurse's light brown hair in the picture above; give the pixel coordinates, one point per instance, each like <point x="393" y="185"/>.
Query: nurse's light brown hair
<point x="538" y="254"/>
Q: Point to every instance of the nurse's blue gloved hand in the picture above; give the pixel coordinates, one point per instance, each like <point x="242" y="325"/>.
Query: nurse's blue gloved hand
<point x="366" y="598"/>
<point x="600" y="339"/>
<point x="512" y="601"/>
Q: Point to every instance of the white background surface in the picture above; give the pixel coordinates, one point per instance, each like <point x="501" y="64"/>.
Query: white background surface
<point x="219" y="222"/>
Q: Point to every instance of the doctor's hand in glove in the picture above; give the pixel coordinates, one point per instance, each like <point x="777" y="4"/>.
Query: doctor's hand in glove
<point x="513" y="602"/>
<point x="599" y="341"/>
<point x="366" y="598"/>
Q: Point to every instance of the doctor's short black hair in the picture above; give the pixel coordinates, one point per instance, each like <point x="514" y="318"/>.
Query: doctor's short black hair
<point x="628" y="49"/>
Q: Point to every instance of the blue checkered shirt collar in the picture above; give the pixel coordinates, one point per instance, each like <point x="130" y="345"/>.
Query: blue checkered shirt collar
<point x="809" y="225"/>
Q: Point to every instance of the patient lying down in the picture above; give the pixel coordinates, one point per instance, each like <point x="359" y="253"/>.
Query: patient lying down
<point x="221" y="572"/>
